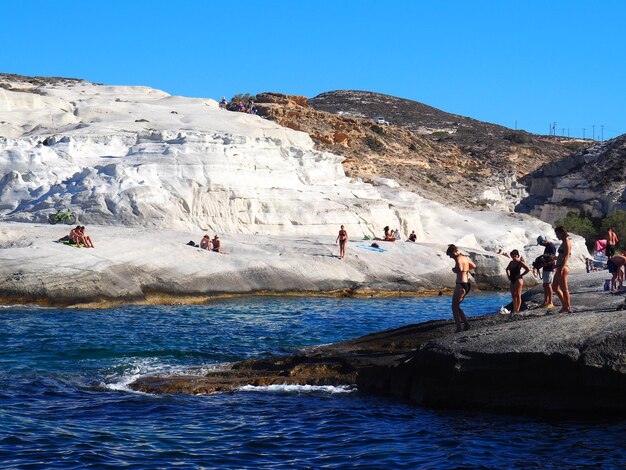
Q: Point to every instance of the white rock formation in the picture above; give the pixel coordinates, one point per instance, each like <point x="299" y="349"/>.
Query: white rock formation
<point x="138" y="157"/>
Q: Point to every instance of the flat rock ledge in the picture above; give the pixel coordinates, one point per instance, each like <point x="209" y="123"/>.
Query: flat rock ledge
<point x="539" y="361"/>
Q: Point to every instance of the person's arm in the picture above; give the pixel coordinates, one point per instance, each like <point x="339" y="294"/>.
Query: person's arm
<point x="508" y="271"/>
<point x="337" y="239"/>
<point x="526" y="268"/>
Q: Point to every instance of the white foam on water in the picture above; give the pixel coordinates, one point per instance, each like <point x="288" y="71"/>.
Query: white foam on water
<point x="135" y="369"/>
<point x="282" y="388"/>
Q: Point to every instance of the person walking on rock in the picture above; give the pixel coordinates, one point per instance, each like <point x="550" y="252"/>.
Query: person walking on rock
<point x="462" y="267"/>
<point x="516" y="276"/>
<point x="547" y="272"/>
<point x="560" y="283"/>
<point x="342" y="239"/>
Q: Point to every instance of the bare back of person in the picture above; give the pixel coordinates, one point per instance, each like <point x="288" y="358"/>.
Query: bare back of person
<point x="462" y="268"/>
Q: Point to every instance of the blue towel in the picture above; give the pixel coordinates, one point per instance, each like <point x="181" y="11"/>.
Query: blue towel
<point x="373" y="248"/>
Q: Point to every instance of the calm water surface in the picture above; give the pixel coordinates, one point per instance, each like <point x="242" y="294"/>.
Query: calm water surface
<point x="64" y="402"/>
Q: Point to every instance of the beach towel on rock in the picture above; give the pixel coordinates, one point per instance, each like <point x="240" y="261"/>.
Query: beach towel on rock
<point x="372" y="248"/>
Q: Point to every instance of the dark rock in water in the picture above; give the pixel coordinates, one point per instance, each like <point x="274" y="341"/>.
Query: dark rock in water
<point x="557" y="362"/>
<point x="535" y="361"/>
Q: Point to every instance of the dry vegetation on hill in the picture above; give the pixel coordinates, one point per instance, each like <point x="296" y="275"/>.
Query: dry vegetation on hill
<point x="442" y="156"/>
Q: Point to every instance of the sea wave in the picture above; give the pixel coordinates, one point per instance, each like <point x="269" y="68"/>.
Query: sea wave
<point x="282" y="388"/>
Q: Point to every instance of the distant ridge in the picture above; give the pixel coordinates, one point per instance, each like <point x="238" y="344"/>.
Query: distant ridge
<point x="413" y="115"/>
<point x="452" y="159"/>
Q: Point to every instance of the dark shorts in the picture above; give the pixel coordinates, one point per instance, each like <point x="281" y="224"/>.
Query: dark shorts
<point x="466" y="286"/>
<point x="610" y="250"/>
<point x="612" y="266"/>
<point x="342" y="242"/>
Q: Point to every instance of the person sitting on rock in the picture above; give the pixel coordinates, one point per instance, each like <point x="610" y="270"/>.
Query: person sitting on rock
<point x="217" y="244"/>
<point x="223" y="102"/>
<point x="388" y="236"/>
<point x="85" y="239"/>
<point x="396" y="234"/>
<point x="206" y="243"/>
<point x="75" y="235"/>
<point x="413" y="237"/>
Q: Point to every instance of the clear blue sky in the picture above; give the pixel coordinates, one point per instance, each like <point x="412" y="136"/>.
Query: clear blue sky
<point x="534" y="62"/>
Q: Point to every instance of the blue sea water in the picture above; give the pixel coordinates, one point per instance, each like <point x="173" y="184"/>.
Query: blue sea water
<point x="64" y="401"/>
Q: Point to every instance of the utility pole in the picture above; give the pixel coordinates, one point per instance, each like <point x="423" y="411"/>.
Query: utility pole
<point x="594" y="133"/>
<point x="602" y="130"/>
<point x="562" y="132"/>
<point x="516" y="124"/>
<point x="583" y="133"/>
<point x="568" y="132"/>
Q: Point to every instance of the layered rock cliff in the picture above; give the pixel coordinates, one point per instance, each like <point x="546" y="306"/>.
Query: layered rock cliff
<point x="591" y="181"/>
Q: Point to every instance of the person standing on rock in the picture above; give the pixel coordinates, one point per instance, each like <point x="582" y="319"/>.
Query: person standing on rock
<point x="342" y="239"/>
<point x="516" y="276"/>
<point x="611" y="242"/>
<point x="462" y="267"/>
<point x="561" y="274"/>
<point x="615" y="265"/>
<point x="547" y="272"/>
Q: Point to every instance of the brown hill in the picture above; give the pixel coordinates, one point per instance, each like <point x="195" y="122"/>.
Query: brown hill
<point x="445" y="157"/>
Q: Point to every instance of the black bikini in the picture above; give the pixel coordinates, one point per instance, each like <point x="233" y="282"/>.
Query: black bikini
<point x="466" y="286"/>
<point x="516" y="272"/>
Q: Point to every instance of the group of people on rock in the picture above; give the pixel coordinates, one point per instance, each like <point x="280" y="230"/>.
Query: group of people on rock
<point x="389" y="236"/>
<point x="240" y="107"/>
<point x="208" y="243"/>
<point x="554" y="269"/>
<point x="78" y="237"/>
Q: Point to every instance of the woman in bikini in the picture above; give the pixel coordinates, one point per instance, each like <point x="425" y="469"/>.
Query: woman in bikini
<point x="462" y="266"/>
<point x="562" y="269"/>
<point x="516" y="276"/>
<point x="342" y="239"/>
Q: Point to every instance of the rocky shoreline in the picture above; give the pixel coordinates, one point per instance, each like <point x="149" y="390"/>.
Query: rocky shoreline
<point x="535" y="361"/>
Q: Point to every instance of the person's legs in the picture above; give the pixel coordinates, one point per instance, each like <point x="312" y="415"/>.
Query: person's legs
<point x="518" y="294"/>
<point x="546" y="277"/>
<point x="556" y="285"/>
<point x="457" y="313"/>
<point x="512" y="289"/>
<point x="564" y="287"/>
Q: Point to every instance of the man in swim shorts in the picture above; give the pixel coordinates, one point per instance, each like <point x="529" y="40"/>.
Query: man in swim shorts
<point x="616" y="265"/>
<point x="462" y="266"/>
